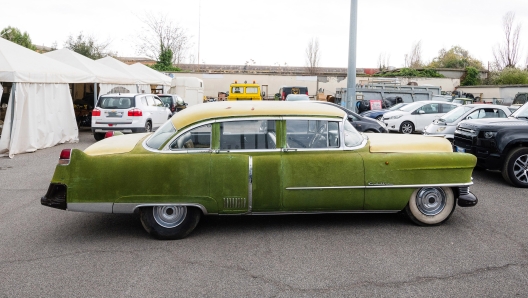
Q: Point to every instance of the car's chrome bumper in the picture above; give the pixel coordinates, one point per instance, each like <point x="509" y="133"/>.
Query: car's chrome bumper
<point x="55" y="197"/>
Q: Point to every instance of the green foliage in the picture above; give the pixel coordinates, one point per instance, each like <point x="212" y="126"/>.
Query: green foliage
<point x="456" y="57"/>
<point x="511" y="76"/>
<point x="410" y="72"/>
<point x="15" y="35"/>
<point x="472" y="77"/>
<point x="165" y="61"/>
<point x="86" y="46"/>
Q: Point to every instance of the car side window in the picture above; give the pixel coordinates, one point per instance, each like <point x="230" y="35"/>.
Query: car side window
<point x="429" y="108"/>
<point x="312" y="134"/>
<point x="158" y="102"/>
<point x="196" y="138"/>
<point x="248" y="135"/>
<point x="150" y="100"/>
<point x="501" y="113"/>
<point x="447" y="107"/>
<point x="352" y="137"/>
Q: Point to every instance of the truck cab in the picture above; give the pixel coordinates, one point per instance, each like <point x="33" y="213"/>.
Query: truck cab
<point x="244" y="91"/>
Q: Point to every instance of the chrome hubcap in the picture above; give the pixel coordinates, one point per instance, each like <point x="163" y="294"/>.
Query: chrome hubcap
<point x="520" y="168"/>
<point x="169" y="216"/>
<point x="430" y="201"/>
<point x="406" y="128"/>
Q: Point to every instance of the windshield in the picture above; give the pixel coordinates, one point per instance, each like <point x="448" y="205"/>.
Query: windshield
<point x="397" y="107"/>
<point x="460" y="101"/>
<point x="161" y="135"/>
<point x="116" y="102"/>
<point x="412" y="106"/>
<point x="522" y="112"/>
<point x="454" y="114"/>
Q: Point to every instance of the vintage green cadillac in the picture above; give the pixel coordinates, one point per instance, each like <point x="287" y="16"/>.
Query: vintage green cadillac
<point x="233" y="158"/>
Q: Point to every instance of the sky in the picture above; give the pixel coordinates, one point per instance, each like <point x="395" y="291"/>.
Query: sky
<point x="277" y="32"/>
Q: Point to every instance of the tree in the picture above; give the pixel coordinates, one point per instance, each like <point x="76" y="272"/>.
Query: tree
<point x="456" y="57"/>
<point x="88" y="46"/>
<point x="165" y="61"/>
<point x="383" y="61"/>
<point x="160" y="35"/>
<point x="414" y="58"/>
<point x="313" y="55"/>
<point x="15" y="35"/>
<point x="507" y="54"/>
<point x="511" y="76"/>
<point x="471" y="78"/>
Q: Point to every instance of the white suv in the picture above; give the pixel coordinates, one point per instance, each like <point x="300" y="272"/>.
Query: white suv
<point x="128" y="113"/>
<point x="416" y="116"/>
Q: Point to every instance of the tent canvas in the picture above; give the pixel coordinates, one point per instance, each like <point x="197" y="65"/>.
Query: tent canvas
<point x="40" y="109"/>
<point x="102" y="73"/>
<point x="159" y="78"/>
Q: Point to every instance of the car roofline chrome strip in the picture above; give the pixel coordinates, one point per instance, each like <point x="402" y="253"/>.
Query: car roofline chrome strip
<point x="381" y="186"/>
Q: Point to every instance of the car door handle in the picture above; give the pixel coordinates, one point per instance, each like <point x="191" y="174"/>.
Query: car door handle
<point x="288" y="149"/>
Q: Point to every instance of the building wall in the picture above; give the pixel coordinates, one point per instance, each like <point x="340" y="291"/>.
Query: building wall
<point x="214" y="83"/>
<point x="502" y="93"/>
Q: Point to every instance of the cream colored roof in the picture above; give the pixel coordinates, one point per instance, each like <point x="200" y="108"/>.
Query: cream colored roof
<point x="214" y="110"/>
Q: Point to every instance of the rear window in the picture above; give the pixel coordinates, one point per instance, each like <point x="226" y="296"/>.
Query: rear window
<point x="117" y="102"/>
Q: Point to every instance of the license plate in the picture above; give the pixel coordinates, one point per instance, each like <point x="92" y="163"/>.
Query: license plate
<point x="459" y="149"/>
<point x="115" y="114"/>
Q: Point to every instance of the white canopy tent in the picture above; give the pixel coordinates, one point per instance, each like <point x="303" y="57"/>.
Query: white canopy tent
<point x="143" y="81"/>
<point x="158" y="78"/>
<point x="40" y="109"/>
<point x="107" y="77"/>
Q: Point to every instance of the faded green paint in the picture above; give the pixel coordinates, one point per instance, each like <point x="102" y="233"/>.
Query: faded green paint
<point x="207" y="178"/>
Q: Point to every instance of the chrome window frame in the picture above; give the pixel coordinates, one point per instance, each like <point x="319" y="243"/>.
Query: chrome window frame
<point x="274" y="118"/>
<point x="166" y="149"/>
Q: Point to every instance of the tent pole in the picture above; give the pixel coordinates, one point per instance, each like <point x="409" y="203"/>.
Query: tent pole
<point x="95" y="95"/>
<point x="12" y="105"/>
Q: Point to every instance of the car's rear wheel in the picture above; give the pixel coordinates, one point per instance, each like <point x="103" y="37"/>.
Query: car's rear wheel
<point x="429" y="206"/>
<point x="170" y="222"/>
<point x="515" y="169"/>
<point x="148" y="126"/>
<point x="98" y="136"/>
<point x="407" y="127"/>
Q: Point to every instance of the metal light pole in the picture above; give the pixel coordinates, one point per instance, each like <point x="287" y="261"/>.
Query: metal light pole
<point x="351" y="75"/>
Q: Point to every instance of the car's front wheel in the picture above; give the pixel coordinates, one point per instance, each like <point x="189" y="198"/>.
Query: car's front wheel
<point x="430" y="205"/>
<point x="407" y="127"/>
<point x="515" y="168"/>
<point x="170" y="222"/>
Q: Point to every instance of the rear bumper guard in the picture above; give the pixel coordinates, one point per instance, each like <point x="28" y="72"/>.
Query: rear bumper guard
<point x="466" y="198"/>
<point x="55" y="197"/>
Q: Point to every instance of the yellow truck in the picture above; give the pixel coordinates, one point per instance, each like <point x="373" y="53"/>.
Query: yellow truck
<point x="244" y="91"/>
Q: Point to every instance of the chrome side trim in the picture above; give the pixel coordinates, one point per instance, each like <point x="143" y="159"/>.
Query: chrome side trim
<point x="131" y="207"/>
<point x="320" y="212"/>
<point x="382" y="186"/>
<point x="234" y="203"/>
<point x="250" y="184"/>
<point x="325" y="187"/>
<point x="90" y="207"/>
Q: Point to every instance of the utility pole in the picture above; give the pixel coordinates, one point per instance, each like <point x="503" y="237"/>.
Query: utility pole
<point x="350" y="102"/>
<point x="199" y="25"/>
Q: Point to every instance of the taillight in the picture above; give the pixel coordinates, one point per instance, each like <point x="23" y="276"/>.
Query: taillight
<point x="65" y="156"/>
<point x="109" y="134"/>
<point x="283" y="95"/>
<point x="135" y="113"/>
<point x="306" y="92"/>
<point x="96" y="112"/>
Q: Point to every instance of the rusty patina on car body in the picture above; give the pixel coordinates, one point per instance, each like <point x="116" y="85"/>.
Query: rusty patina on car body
<point x="377" y="173"/>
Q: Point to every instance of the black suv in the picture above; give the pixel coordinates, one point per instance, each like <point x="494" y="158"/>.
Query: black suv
<point x="498" y="144"/>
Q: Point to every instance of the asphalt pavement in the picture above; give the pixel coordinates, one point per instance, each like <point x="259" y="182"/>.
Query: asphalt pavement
<point x="479" y="252"/>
